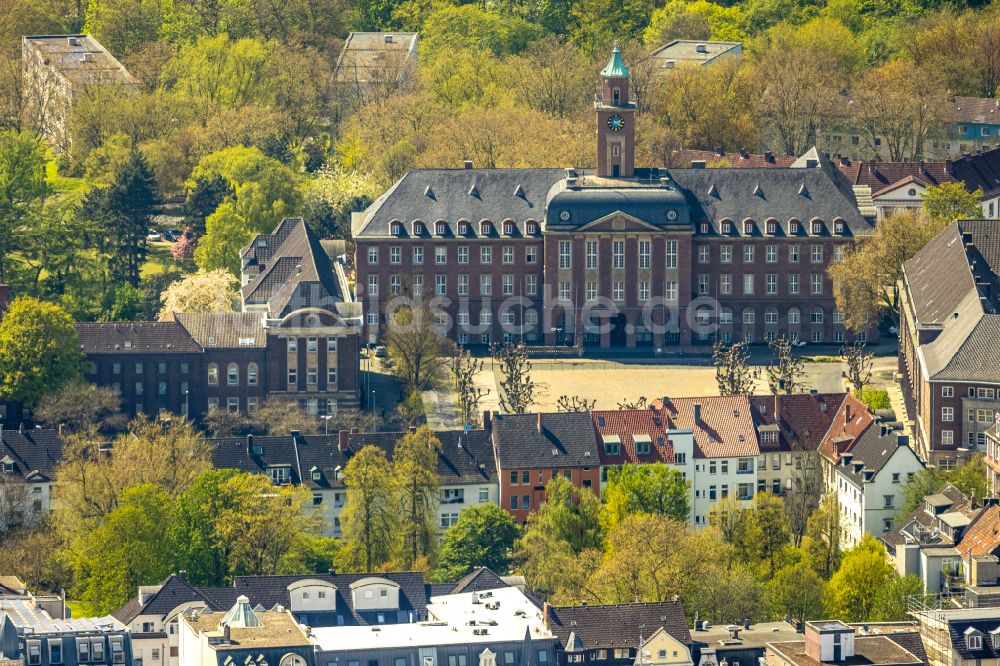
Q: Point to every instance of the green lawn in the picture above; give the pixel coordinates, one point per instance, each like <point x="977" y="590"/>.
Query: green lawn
<point x="62" y="184"/>
<point x="159" y="259"/>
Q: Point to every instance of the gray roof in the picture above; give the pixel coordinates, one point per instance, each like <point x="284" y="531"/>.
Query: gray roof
<point x="224" y="329"/>
<point x="367" y="55"/>
<point x="565" y="439"/>
<point x="693" y="51"/>
<point x="293" y="271"/>
<point x="583" y="205"/>
<point x="760" y="194"/>
<point x="941" y="283"/>
<point x="451" y="195"/>
<point x="35" y="454"/>
<point x="80" y="59"/>
<point x="873" y="449"/>
<point x="141" y="337"/>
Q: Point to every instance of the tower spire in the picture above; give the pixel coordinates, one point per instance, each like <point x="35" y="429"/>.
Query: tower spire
<point x="615" y="115"/>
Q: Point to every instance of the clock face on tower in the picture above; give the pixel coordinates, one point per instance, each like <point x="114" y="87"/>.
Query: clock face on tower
<point x="616" y="123"/>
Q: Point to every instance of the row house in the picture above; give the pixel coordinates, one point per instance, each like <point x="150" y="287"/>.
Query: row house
<point x="947" y="352"/>
<point x="831" y="642"/>
<point x="296" y="338"/>
<point x="466" y="466"/>
<point x="613" y="257"/>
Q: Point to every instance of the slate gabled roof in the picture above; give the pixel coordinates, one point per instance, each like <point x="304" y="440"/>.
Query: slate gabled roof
<point x="173" y="592"/>
<point x="618" y="625"/>
<point x="957" y="629"/>
<point x="466" y="457"/>
<point x="873" y="448"/>
<point x="565" y="439"/>
<point x="34" y="453"/>
<point x="980" y="171"/>
<point x="479" y="579"/>
<point x="142" y="337"/>
<point x="294" y="271"/>
<point x="944" y="295"/>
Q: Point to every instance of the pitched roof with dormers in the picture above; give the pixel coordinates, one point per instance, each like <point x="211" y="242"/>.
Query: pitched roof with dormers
<point x="538" y="441"/>
<point x="802" y="418"/>
<point x="141" y="337"/>
<point x="982" y="537"/>
<point x="629" y="425"/>
<point x="224" y="329"/>
<point x="850" y="420"/>
<point x="726" y="428"/>
<point x="32" y="455"/>
<point x="617" y="625"/>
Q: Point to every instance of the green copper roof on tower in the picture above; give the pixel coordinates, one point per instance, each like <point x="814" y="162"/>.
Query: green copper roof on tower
<point x="615" y="66"/>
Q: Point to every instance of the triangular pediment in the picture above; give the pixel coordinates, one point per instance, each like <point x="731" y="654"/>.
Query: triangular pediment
<point x="618" y="221"/>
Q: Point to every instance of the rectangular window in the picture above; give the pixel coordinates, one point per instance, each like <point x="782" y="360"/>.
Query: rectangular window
<point x="564" y="291"/>
<point x="395" y="255"/>
<point x="947" y="414"/>
<point x="486" y="255"/>
<point x="463" y="254"/>
<point x="748" y="284"/>
<point x="463" y="285"/>
<point x="816" y="254"/>
<point x="485" y="285"/>
<point x="644" y="254"/>
<point x="97" y="649"/>
<point x="591" y="290"/>
<point x="771" y="283"/>
<point x="418" y="255"/>
<point x="591" y="254"/>
<point x="34" y="653"/>
<point x="748" y="254"/>
<point x="618" y="291"/>
<point x="947" y="391"/>
<point x="726" y="254"/>
<point x="671" y="260"/>
<point x="793" y="283"/>
<point x="816" y="283"/>
<point x="793" y="253"/>
<point x="618" y="254"/>
<point x="771" y="254"/>
<point x="643" y="290"/>
<point x="725" y="284"/>
<point x="440" y="284"/>
<point x="373" y="285"/>
<point x="508" y="254"/>
<point x="670" y="290"/>
<point x="530" y="254"/>
<point x="507" y="285"/>
<point x="703" y="282"/>
<point x="530" y="285"/>
<point x="704" y="254"/>
<point x="395" y="285"/>
<point x="565" y="248"/>
<point x="947" y="438"/>
<point x="440" y="254"/>
<point x="373" y="255"/>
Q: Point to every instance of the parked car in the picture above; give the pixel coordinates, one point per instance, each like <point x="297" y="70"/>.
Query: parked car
<point x="153" y="237"/>
<point x="172" y="235"/>
<point x="380" y="351"/>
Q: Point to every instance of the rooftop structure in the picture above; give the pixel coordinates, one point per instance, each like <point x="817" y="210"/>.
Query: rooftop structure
<point x="692" y="52"/>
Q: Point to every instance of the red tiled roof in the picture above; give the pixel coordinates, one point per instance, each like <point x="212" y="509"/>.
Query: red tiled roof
<point x="844" y="431"/>
<point x="804" y="418"/>
<point x="624" y="423"/>
<point x="983" y="535"/>
<point x="726" y="428"/>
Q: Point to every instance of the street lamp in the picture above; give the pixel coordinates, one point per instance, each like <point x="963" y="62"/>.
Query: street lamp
<point x="373" y="400"/>
<point x="187" y="404"/>
<point x="327" y="418"/>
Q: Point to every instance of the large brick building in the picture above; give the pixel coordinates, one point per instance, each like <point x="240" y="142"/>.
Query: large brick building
<point x="612" y="257"/>
<point x="296" y="339"/>
<point x="949" y="328"/>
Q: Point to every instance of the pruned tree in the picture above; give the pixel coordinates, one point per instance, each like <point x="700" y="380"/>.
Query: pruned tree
<point x="733" y="373"/>
<point x="466" y="368"/>
<point x="785" y="374"/>
<point x="859" y="365"/>
<point x="638" y="403"/>
<point x="517" y="387"/>
<point x="574" y="403"/>
<point x="81" y="405"/>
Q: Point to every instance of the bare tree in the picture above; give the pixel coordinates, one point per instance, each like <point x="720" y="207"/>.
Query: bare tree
<point x="418" y="351"/>
<point x="466" y="369"/>
<point x="517" y="388"/>
<point x="14" y="503"/>
<point x="807" y="488"/>
<point x="784" y="375"/>
<point x="732" y="372"/>
<point x="574" y="403"/>
<point x="638" y="403"/>
<point x="859" y="364"/>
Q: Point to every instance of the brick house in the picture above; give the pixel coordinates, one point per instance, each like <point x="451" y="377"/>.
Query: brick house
<point x="947" y="341"/>
<point x="532" y="449"/>
<point x="297" y="338"/>
<point x="617" y="256"/>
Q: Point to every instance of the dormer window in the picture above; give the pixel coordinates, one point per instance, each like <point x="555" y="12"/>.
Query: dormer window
<point x="418" y="228"/>
<point x="508" y="228"/>
<point x="838" y="227"/>
<point x="748" y="227"/>
<point x="530" y="228"/>
<point x="793" y="227"/>
<point x="463" y="228"/>
<point x="727" y="227"/>
<point x="973" y="639"/>
<point x="8" y="466"/>
<point x="485" y="228"/>
<point x="396" y="229"/>
<point x="817" y="228"/>
<point x="442" y="228"/>
<point x="317" y="475"/>
<point x="703" y="228"/>
<point x="772" y="227"/>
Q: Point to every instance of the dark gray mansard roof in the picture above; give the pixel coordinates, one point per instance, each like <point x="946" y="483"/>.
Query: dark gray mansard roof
<point x="34" y="453"/>
<point x="944" y="297"/>
<point x="451" y="195"/>
<point x="566" y="439"/>
<point x="803" y="192"/>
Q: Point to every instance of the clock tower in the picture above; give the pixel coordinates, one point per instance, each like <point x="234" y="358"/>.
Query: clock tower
<point x="615" y="121"/>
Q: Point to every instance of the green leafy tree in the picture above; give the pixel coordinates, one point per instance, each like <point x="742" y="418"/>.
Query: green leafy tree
<point x="863" y="574"/>
<point x="969" y="477"/>
<point x="892" y="601"/>
<point x="226" y="233"/>
<point x="369" y="518"/>
<point x="770" y="529"/>
<point x="471" y="27"/>
<point x="823" y="537"/>
<point x="22" y="190"/>
<point x="192" y="534"/>
<point x="948" y="202"/>
<point x="125" y="551"/>
<point x="39" y="351"/>
<point x="797" y="591"/>
<point x="483" y="537"/>
<point x="655" y="489"/>
<point x="416" y="482"/>
<point x="123" y="211"/>
<point x="81" y="405"/>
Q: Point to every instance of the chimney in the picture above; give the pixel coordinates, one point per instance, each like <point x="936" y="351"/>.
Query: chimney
<point x="769" y="157"/>
<point x="183" y="575"/>
<point x="294" y="434"/>
<point x="665" y="400"/>
<point x="746" y="623"/>
<point x="226" y="636"/>
<point x="539" y="421"/>
<point x="468" y="164"/>
<point x="487" y="420"/>
<point x="412" y="429"/>
<point x="249" y="445"/>
<point x="545" y="614"/>
<point x="902" y="440"/>
<point x="697" y="412"/>
<point x="60" y="429"/>
<point x="342" y="440"/>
